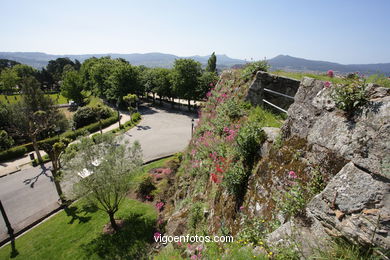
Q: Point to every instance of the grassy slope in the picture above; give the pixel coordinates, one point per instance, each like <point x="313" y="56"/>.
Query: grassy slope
<point x="61" y="99"/>
<point x="378" y="79"/>
<point x="69" y="235"/>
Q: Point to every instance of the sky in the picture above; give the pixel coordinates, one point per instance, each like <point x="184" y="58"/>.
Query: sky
<point x="344" y="31"/>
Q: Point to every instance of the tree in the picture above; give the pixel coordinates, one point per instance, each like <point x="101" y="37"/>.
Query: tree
<point x="34" y="114"/>
<point x="4" y="63"/>
<point x="6" y="141"/>
<point x="206" y="82"/>
<point x="131" y="100"/>
<point x="212" y="63"/>
<point x="123" y="80"/>
<point x="56" y="67"/>
<point x="54" y="151"/>
<point x="9" y="79"/>
<point x="72" y="86"/>
<point x="185" y="78"/>
<point x="105" y="171"/>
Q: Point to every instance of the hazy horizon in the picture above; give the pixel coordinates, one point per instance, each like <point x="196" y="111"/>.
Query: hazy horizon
<point x="347" y="32"/>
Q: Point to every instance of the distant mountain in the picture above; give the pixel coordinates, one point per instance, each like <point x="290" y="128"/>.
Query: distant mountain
<point x="155" y="59"/>
<point x="288" y="63"/>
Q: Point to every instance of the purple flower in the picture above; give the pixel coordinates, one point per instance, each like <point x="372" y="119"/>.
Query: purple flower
<point x="157" y="235"/>
<point x="242" y="208"/>
<point x="327" y="84"/>
<point x="159" y="205"/>
<point x="292" y="175"/>
<point x="330" y="73"/>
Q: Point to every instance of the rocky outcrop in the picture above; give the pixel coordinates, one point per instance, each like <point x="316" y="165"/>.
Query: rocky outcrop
<point x="355" y="204"/>
<point x="364" y="140"/>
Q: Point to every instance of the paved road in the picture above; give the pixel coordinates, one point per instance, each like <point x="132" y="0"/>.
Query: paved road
<point x="27" y="196"/>
<point x="161" y="132"/>
<point x="30" y="194"/>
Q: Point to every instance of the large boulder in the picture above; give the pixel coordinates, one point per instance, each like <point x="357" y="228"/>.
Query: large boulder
<point x="364" y="140"/>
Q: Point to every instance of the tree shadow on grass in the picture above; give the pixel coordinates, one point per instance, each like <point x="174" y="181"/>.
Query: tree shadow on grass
<point x="77" y="213"/>
<point x="130" y="242"/>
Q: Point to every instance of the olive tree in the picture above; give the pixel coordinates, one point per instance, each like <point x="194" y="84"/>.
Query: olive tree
<point x="104" y="171"/>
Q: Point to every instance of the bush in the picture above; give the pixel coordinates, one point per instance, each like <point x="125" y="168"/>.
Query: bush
<point x="17" y="151"/>
<point x="350" y="97"/>
<point x="13" y="153"/>
<point x="6" y="141"/>
<point x="88" y="115"/>
<point x="250" y="69"/>
<point x="145" y="187"/>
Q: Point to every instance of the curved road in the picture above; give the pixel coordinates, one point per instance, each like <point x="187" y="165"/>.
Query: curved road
<point x="30" y="194"/>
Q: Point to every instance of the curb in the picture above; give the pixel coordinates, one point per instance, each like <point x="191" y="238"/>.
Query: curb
<point x="10" y="172"/>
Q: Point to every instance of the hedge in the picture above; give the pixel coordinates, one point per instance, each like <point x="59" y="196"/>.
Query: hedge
<point x="20" y="150"/>
<point x="12" y="153"/>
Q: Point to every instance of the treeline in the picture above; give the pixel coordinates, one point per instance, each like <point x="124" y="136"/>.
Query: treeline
<point x="112" y="79"/>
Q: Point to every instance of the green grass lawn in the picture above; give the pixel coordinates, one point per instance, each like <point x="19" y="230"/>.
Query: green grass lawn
<point x="76" y="233"/>
<point x="57" y="98"/>
<point x="376" y="78"/>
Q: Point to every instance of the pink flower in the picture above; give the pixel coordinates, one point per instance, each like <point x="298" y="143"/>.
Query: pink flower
<point x="330" y="73"/>
<point x="292" y="175"/>
<point x="179" y="243"/>
<point x="194" y="257"/>
<point x="327" y="84"/>
<point x="157" y="235"/>
<point x="242" y="208"/>
<point x="159" y="205"/>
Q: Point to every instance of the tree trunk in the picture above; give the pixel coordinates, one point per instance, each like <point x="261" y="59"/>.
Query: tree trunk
<point x="154" y="97"/>
<point x="36" y="149"/>
<point x="112" y="221"/>
<point x="160" y="100"/>
<point x="173" y="103"/>
<point x="54" y="171"/>
<point x="189" y="105"/>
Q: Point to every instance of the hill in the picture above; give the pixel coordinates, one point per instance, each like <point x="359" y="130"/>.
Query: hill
<point x="156" y="59"/>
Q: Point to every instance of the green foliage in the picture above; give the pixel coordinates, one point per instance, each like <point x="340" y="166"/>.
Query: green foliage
<point x="350" y="97"/>
<point x="206" y="81"/>
<point x="145" y="187"/>
<point x="380" y="80"/>
<point x="57" y="68"/>
<point x="88" y="115"/>
<point x="235" y="178"/>
<point x="107" y="170"/>
<point x="6" y="141"/>
<point x="9" y="79"/>
<point x="72" y="87"/>
<point x="76" y="233"/>
<point x="343" y="250"/>
<point x="212" y="63"/>
<point x="293" y="201"/>
<point x="251" y="68"/>
<point x="253" y="230"/>
<point x="185" y="75"/>
<point x="196" y="216"/>
<point x="123" y="80"/>
<point x="249" y="139"/>
<point x="13" y="153"/>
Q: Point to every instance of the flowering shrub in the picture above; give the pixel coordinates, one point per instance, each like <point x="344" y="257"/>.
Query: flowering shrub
<point x="350" y="97"/>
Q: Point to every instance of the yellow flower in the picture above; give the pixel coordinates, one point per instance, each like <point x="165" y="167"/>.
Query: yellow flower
<point x="270" y="253"/>
<point x="261" y="242"/>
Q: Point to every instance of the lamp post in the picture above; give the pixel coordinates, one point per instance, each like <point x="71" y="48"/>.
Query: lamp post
<point x="192" y="127"/>
<point x="117" y="109"/>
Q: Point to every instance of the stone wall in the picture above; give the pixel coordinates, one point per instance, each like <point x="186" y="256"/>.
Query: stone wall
<point x="280" y="84"/>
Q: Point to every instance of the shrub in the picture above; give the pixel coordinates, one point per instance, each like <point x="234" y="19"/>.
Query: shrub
<point x="350" y="97"/>
<point x="13" y="153"/>
<point x="196" y="216"/>
<point x="249" y="139"/>
<point x="88" y="115"/>
<point x="6" y="141"/>
<point x="145" y="187"/>
<point x="250" y="69"/>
